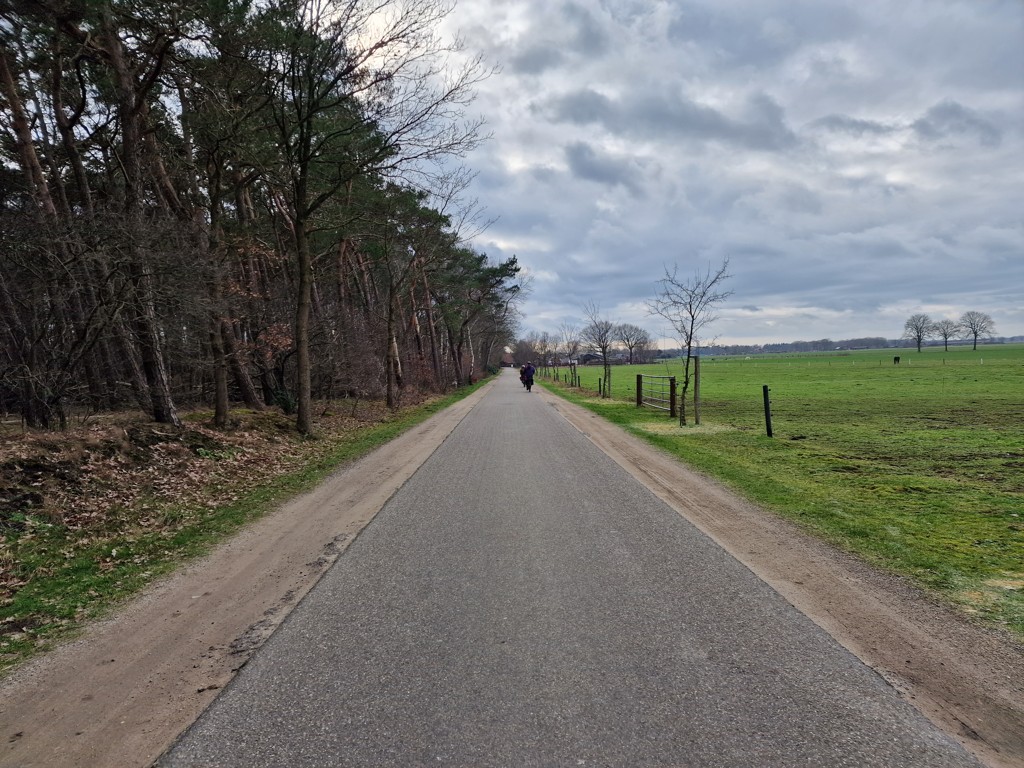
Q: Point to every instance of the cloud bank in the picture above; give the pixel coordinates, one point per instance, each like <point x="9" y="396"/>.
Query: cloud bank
<point x="855" y="162"/>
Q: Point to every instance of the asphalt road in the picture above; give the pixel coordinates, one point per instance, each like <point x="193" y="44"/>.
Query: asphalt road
<point x="522" y="601"/>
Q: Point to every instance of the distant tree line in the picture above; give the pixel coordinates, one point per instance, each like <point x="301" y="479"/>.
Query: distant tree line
<point x="971" y="325"/>
<point x="207" y="201"/>
<point x="798" y="347"/>
<point x="622" y="343"/>
<point x="945" y="330"/>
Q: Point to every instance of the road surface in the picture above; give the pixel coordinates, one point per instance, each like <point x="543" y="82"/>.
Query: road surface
<point x="524" y="601"/>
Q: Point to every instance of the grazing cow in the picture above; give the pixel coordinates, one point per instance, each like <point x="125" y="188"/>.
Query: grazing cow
<point x="896" y="360"/>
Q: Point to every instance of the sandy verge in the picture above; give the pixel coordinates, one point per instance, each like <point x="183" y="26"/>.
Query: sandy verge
<point x="122" y="693"/>
<point x="967" y="679"/>
<point x="119" y="695"/>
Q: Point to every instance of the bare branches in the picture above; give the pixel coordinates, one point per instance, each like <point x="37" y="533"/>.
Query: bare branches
<point x="599" y="335"/>
<point x="946" y="330"/>
<point x="977" y="324"/>
<point x="689" y="305"/>
<point x="570" y="339"/>
<point x="918" y="328"/>
<point x="634" y="338"/>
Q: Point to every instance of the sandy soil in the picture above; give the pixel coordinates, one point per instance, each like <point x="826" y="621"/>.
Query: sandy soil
<point x="122" y="693"/>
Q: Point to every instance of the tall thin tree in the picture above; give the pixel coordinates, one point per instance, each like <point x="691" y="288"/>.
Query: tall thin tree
<point x="690" y="304"/>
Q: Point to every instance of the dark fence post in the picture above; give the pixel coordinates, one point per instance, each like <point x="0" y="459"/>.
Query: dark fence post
<point x="767" y="410"/>
<point x="639" y="390"/>
<point x="672" y="397"/>
<point x="600" y="387"/>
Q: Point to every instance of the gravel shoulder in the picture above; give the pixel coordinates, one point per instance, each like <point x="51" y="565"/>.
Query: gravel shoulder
<point x="121" y="694"/>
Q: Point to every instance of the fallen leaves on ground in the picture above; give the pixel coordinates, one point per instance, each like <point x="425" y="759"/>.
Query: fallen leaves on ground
<point x="118" y="477"/>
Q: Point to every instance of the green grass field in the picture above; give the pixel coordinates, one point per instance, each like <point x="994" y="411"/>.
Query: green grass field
<point x="918" y="468"/>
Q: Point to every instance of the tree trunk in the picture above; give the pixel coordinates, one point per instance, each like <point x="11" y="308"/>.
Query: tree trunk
<point x="304" y="420"/>
<point x="238" y="371"/>
<point x="684" y="391"/>
<point x="148" y="335"/>
<point x="394" y="362"/>
<point x="435" y="358"/>
<point x="220" y="368"/>
<point x="145" y="323"/>
<point x="132" y="358"/>
<point x="30" y="165"/>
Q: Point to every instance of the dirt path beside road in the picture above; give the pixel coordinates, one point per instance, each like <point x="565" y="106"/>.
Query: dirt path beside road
<point x="122" y="693"/>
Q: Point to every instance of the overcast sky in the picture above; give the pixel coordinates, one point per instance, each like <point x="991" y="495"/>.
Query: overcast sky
<point x="856" y="162"/>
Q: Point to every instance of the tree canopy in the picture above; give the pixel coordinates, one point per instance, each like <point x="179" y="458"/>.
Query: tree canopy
<point x="213" y="200"/>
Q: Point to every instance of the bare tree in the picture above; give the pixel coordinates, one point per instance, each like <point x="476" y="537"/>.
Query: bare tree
<point x="644" y="348"/>
<point x="918" y="328"/>
<point x="946" y="330"/>
<point x="569" y="341"/>
<point x="633" y="338"/>
<point x="544" y="349"/>
<point x="690" y="305"/>
<point x="569" y="335"/>
<point x="599" y="335"/>
<point x="975" y="324"/>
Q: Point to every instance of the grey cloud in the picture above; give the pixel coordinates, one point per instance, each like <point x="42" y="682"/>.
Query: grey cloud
<point x="585" y="163"/>
<point x="548" y="44"/>
<point x="659" y="114"/>
<point x="584" y="106"/>
<point x="948" y="119"/>
<point x="671" y="114"/>
<point x="543" y="174"/>
<point x="764" y="38"/>
<point x="766" y="128"/>
<point x="852" y="125"/>
<point x="590" y="37"/>
<point x="800" y="199"/>
<point x="870" y="184"/>
<point x="851" y="218"/>
<point x="536" y="59"/>
<point x="716" y="200"/>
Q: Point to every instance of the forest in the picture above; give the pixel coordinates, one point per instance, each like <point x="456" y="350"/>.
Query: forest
<point x="215" y="202"/>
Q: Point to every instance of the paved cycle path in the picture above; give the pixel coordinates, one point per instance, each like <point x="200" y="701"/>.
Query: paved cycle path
<point x="523" y="601"/>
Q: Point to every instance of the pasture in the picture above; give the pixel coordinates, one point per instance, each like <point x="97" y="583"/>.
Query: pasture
<point x="917" y="467"/>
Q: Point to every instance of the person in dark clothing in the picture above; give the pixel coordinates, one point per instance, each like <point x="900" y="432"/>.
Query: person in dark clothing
<point x="522" y="375"/>
<point x="528" y="372"/>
